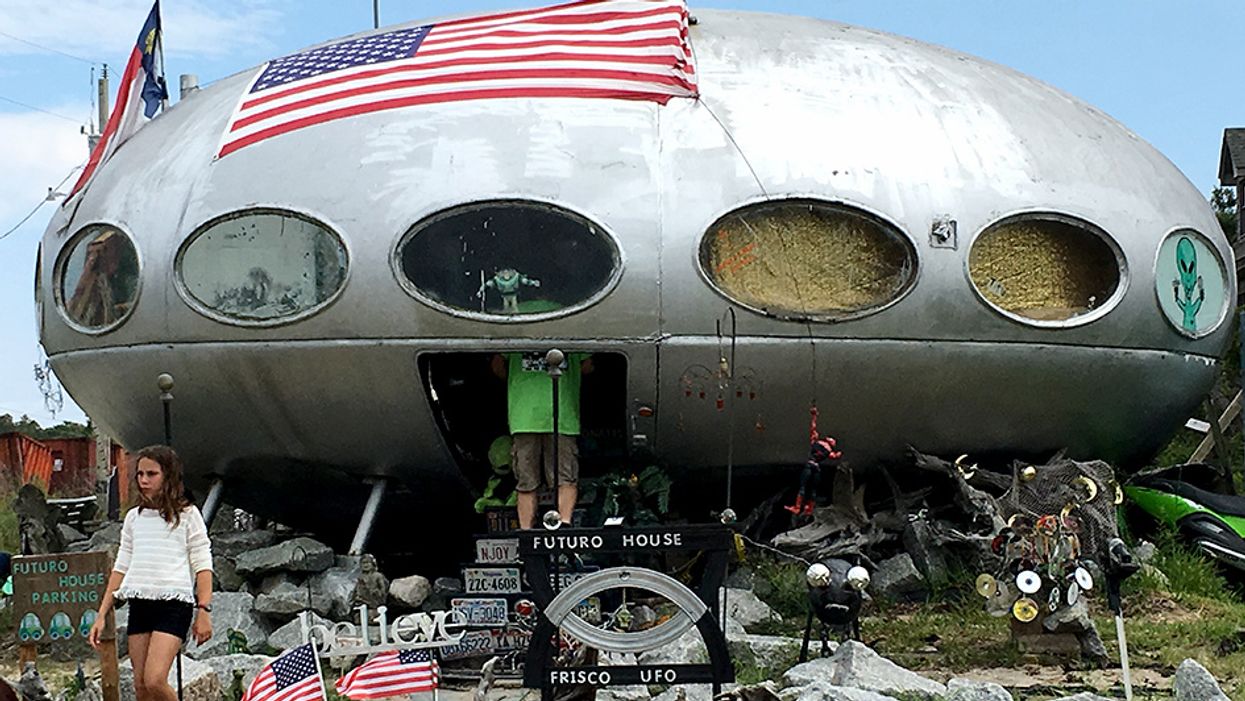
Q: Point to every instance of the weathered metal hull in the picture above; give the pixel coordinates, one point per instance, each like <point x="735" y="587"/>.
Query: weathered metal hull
<point x="904" y="130"/>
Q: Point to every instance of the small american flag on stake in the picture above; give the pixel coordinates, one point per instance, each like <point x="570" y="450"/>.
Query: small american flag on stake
<point x="624" y="49"/>
<point x="294" y="676"/>
<point x="391" y="674"/>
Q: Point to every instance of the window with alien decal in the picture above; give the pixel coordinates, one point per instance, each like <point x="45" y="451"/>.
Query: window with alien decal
<point x="1190" y="283"/>
<point x="507" y="259"/>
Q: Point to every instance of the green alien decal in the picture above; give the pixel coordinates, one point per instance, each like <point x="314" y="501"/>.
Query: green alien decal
<point x="31" y="628"/>
<point x="61" y="627"/>
<point x="1188" y="284"/>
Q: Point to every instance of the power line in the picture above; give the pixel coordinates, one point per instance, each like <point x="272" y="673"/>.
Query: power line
<point x="48" y="48"/>
<point x="42" y="202"/>
<point x="40" y="109"/>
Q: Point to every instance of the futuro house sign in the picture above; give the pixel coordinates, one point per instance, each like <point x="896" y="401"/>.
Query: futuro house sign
<point x="696" y="608"/>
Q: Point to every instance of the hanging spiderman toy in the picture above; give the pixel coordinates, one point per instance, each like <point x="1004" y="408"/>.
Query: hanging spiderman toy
<point x="821" y="449"/>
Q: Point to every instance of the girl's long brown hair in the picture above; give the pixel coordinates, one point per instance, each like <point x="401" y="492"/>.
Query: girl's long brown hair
<point x="171" y="498"/>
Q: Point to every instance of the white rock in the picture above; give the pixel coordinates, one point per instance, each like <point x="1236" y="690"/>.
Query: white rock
<point x="231" y="610"/>
<point x="291" y="634"/>
<point x="410" y="591"/>
<point x="969" y="690"/>
<point x="855" y="665"/>
<point x="765" y="650"/>
<point x="825" y="691"/>
<point x="225" y="665"/>
<point x="742" y="605"/>
<point x="199" y="681"/>
<point x="1193" y="682"/>
<point x="637" y="692"/>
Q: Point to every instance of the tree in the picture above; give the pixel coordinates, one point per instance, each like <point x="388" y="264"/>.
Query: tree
<point x="1223" y="200"/>
<point x="30" y="427"/>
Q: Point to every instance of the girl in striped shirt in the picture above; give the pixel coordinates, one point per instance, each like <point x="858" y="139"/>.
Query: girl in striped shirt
<point x="164" y="571"/>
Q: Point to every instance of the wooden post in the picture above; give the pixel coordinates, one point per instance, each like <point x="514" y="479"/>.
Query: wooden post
<point x="109" y="676"/>
<point x="25" y="653"/>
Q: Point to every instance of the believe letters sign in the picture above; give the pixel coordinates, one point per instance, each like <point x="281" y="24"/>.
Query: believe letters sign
<point x="55" y="597"/>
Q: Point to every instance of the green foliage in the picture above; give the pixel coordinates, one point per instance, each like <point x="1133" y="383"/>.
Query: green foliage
<point x="1190" y="574"/>
<point x="1223" y="200"/>
<point x="781" y="584"/>
<point x="640" y="499"/>
<point x="9" y="538"/>
<point x="30" y="427"/>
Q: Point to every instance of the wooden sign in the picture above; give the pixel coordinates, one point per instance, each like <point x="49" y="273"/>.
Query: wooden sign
<point x="55" y="597"/>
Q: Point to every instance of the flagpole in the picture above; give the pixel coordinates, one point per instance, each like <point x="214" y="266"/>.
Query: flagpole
<point x="324" y="694"/>
<point x="164" y="103"/>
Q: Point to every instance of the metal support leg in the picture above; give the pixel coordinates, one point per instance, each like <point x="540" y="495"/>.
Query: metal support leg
<point x="364" y="530"/>
<point x="212" y="503"/>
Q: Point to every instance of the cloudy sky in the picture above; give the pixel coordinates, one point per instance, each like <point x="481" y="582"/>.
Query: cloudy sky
<point x="1167" y="70"/>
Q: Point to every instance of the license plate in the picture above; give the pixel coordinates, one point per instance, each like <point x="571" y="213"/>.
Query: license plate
<point x="497" y="550"/>
<point x="566" y="579"/>
<point x="482" y="612"/>
<point x="590" y="610"/>
<point x="511" y="638"/>
<point x="491" y="580"/>
<point x="474" y="643"/>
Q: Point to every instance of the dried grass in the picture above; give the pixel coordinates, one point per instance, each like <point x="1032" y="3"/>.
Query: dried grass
<point x="806" y="260"/>
<point x="1043" y="270"/>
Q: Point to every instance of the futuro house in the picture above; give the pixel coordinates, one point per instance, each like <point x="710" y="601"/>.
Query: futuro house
<point x="933" y="249"/>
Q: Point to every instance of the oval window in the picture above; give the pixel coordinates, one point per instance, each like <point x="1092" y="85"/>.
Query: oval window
<point x="507" y="259"/>
<point x="1192" y="285"/>
<point x="262" y="267"/>
<point x="808" y="259"/>
<point x="1045" y="269"/>
<point x="98" y="278"/>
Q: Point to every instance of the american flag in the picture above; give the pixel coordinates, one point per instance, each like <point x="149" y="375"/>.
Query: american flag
<point x="390" y="674"/>
<point x="626" y="49"/>
<point x="294" y="676"/>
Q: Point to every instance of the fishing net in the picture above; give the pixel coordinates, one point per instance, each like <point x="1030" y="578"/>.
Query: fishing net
<point x="1045" y="270"/>
<point x="1086" y="492"/>
<point x="806" y="259"/>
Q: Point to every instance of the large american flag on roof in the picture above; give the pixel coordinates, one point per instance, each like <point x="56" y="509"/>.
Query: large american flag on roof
<point x="391" y="673"/>
<point x="624" y="49"/>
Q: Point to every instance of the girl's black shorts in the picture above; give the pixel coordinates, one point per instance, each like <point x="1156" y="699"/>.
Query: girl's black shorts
<point x="147" y="616"/>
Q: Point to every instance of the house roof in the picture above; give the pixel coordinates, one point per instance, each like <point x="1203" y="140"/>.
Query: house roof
<point x="1232" y="157"/>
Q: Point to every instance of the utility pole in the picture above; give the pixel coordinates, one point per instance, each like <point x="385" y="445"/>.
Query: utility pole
<point x="93" y="139"/>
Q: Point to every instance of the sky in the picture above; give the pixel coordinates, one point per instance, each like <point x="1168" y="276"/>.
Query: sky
<point x="1167" y="70"/>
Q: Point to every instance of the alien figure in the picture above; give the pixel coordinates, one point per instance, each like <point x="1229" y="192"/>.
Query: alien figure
<point x="507" y="282"/>
<point x="1187" y="283"/>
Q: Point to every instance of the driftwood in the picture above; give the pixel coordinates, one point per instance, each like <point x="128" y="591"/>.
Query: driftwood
<point x="981" y="508"/>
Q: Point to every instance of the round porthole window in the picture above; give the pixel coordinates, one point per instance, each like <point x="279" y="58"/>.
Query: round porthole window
<point x="262" y="267"/>
<point x="1046" y="269"/>
<point x="98" y="278"/>
<point x="1191" y="283"/>
<point x="507" y="260"/>
<point x="808" y="259"/>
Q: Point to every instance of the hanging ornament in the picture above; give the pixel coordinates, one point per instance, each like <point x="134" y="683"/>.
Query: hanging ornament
<point x="1028" y="582"/>
<point x="1089" y="487"/>
<point x="986" y="585"/>
<point x="1025" y="610"/>
<point x="1074" y="594"/>
<point x="1052" y="601"/>
<point x="1084" y="579"/>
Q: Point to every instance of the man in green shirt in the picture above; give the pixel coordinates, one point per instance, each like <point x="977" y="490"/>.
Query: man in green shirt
<point x="529" y="396"/>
